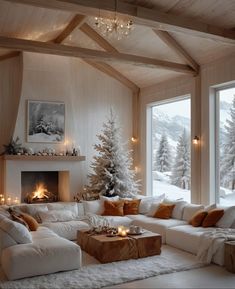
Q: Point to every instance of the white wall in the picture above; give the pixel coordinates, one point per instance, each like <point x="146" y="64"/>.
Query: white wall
<point x="88" y="95"/>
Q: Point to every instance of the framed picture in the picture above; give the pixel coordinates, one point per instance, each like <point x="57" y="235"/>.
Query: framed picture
<point x="45" y="121"/>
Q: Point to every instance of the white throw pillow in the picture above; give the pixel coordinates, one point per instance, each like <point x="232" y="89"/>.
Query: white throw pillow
<point x="17" y="231"/>
<point x="4" y="212"/>
<point x="190" y="210"/>
<point x="210" y="207"/>
<point x="69" y="206"/>
<point x="93" y="207"/>
<point x="177" y="212"/>
<point x="146" y="203"/>
<point x="56" y="216"/>
<point x="33" y="210"/>
<point x="153" y="208"/>
<point x="228" y="218"/>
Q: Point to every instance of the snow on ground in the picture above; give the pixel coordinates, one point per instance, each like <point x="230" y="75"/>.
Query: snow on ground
<point x="227" y="197"/>
<point x="42" y="137"/>
<point x="171" y="191"/>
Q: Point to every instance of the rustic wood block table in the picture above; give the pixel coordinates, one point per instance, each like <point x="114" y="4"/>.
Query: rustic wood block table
<point x="110" y="249"/>
<point x="229" y="256"/>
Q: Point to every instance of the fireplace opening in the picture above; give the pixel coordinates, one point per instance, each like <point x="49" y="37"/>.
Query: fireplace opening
<point x="39" y="187"/>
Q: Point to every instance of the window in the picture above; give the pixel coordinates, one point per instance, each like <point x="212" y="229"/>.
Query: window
<point x="225" y="146"/>
<point x="171" y="149"/>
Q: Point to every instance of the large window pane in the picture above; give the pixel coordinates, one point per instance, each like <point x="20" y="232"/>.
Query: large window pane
<point x="171" y="157"/>
<point x="226" y="142"/>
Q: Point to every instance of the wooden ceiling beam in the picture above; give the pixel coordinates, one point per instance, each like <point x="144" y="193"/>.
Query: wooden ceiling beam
<point x="141" y="15"/>
<point x="77" y="21"/>
<point x="9" y="55"/>
<point x="96" y="55"/>
<point x="109" y="70"/>
<point x="91" y="33"/>
<point x="178" y="49"/>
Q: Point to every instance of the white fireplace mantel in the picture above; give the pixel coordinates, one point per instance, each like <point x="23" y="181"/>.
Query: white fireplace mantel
<point x="69" y="168"/>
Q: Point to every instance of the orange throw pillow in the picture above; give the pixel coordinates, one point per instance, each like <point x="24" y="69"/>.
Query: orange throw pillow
<point x="164" y="211"/>
<point x="32" y="223"/>
<point x="131" y="207"/>
<point x="198" y="218"/>
<point x="212" y="218"/>
<point x="113" y="208"/>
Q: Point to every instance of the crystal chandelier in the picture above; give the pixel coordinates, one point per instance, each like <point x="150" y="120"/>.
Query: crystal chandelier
<point x="114" y="27"/>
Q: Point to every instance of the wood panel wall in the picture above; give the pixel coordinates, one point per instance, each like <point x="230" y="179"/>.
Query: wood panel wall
<point x="10" y="90"/>
<point x="88" y="95"/>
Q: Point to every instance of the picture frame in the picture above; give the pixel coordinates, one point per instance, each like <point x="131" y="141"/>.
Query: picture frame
<point x="45" y="121"/>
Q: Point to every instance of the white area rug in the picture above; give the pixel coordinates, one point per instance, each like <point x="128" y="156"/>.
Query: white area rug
<point x="101" y="275"/>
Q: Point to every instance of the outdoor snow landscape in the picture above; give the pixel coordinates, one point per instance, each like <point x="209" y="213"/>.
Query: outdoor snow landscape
<point x="171" y="142"/>
<point x="171" y="150"/>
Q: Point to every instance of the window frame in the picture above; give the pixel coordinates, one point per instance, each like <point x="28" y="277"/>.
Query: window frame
<point x="149" y="138"/>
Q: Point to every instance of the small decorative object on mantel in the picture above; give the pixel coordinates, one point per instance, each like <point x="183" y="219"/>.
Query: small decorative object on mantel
<point x="86" y="195"/>
<point x="13" y="148"/>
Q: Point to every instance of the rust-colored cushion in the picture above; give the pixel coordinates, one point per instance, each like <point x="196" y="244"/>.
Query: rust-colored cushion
<point x="212" y="218"/>
<point x="113" y="208"/>
<point x="164" y="211"/>
<point x="32" y="223"/>
<point x="198" y="218"/>
<point x="131" y="207"/>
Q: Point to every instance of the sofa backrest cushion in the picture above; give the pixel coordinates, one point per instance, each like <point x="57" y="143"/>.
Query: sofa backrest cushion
<point x="34" y="209"/>
<point x="4" y="211"/>
<point x="146" y="203"/>
<point x="56" y="216"/>
<point x="6" y="241"/>
<point x="178" y="209"/>
<point x="228" y="218"/>
<point x="97" y="206"/>
<point x="190" y="210"/>
<point x="17" y="231"/>
<point x="68" y="206"/>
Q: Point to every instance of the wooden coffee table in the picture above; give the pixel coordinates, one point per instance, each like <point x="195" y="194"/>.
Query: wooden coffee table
<point x="110" y="249"/>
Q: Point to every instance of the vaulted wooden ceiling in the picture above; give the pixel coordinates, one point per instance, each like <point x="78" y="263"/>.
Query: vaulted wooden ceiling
<point x="171" y="37"/>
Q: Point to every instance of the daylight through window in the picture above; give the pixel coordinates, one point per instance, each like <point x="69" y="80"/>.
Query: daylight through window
<point x="171" y="149"/>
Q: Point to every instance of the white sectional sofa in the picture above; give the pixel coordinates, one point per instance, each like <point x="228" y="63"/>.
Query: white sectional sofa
<point x="58" y="226"/>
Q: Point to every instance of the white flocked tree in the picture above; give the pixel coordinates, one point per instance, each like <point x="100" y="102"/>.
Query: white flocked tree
<point x="112" y="174"/>
<point x="227" y="169"/>
<point x="181" y="169"/>
<point x="163" y="156"/>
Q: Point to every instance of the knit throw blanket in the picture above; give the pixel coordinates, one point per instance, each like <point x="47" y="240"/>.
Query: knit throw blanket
<point x="213" y="241"/>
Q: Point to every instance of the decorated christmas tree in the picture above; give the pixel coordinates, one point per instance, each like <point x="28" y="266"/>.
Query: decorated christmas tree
<point x="112" y="174"/>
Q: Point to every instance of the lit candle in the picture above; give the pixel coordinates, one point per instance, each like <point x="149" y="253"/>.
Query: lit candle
<point x="2" y="201"/>
<point x="9" y="201"/>
<point x="16" y="201"/>
<point x="120" y="229"/>
<point x="123" y="233"/>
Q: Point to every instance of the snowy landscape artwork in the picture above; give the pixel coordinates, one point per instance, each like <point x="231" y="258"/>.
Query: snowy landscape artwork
<point x="171" y="156"/>
<point x="46" y="121"/>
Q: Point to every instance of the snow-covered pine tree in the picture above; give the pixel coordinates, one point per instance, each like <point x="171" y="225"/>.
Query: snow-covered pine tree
<point x="227" y="168"/>
<point x="181" y="176"/>
<point x="112" y="166"/>
<point x="163" y="156"/>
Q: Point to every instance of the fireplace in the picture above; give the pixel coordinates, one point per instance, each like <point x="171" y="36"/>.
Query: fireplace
<point x="39" y="187"/>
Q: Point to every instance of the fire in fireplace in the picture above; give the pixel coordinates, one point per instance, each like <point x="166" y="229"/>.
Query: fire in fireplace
<point x="39" y="187"/>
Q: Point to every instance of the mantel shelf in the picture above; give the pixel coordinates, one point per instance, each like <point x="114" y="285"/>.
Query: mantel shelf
<point x="43" y="158"/>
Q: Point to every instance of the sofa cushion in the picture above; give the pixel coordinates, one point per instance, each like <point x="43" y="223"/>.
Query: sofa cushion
<point x="164" y="211"/>
<point x="156" y="225"/>
<point x="31" y="221"/>
<point x="42" y="233"/>
<point x="17" y="231"/>
<point x="178" y="209"/>
<point x="185" y="237"/>
<point x="146" y="203"/>
<point x="198" y="218"/>
<point x="68" y="206"/>
<point x="131" y="207"/>
<point x="228" y="218"/>
<point x="43" y="256"/>
<point x="93" y="207"/>
<point x="113" y="208"/>
<point x="116" y="221"/>
<point x="67" y="230"/>
<point x="5" y="241"/>
<point x="190" y="210"/>
<point x="56" y="216"/>
<point x="212" y="218"/>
